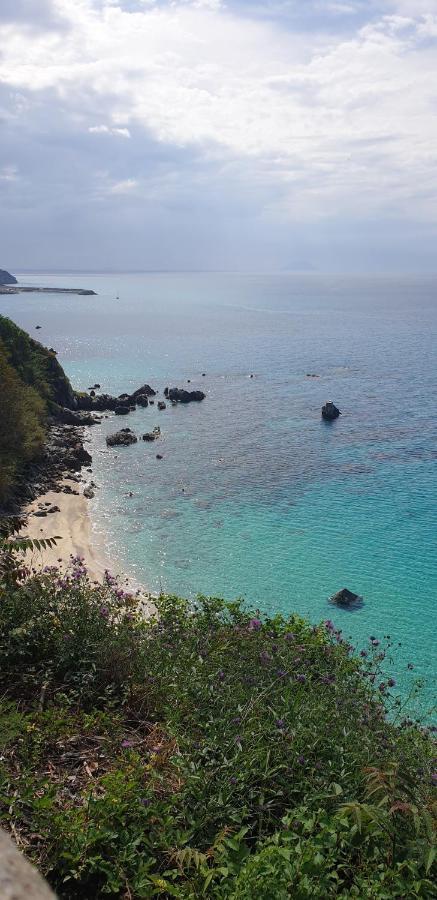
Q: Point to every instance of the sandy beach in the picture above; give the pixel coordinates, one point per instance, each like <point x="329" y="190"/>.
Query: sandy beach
<point x="72" y="524"/>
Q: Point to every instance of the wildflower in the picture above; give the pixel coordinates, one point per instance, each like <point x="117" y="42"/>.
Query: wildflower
<point x="126" y="743"/>
<point x="301" y="760"/>
<point x="329" y="625"/>
<point x="265" y="657"/>
<point x="237" y="720"/>
<point x="104" y="612"/>
<point x="301" y="679"/>
<point x="280" y="724"/>
<point x="281" y="673"/>
<point x="145" y="801"/>
<point x="233" y="780"/>
<point x="391" y="682"/>
<point x="255" y="624"/>
<point x="221" y="676"/>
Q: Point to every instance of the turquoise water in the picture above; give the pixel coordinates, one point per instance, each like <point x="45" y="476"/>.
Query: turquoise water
<point x="256" y="496"/>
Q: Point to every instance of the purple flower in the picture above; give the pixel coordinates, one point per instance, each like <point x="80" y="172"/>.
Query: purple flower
<point x="127" y="743"/>
<point x="145" y="801"/>
<point x="233" y="780"/>
<point x="301" y="679"/>
<point x="281" y="673"/>
<point x="280" y="724"/>
<point x="238" y="739"/>
<point x="301" y="760"/>
<point x="104" y="611"/>
<point x="391" y="682"/>
<point x="255" y="624"/>
<point x="265" y="657"/>
<point x="329" y="625"/>
<point x="221" y="676"/>
<point x="237" y="720"/>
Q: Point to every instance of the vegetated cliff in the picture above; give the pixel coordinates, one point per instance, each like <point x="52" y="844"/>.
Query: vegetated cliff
<point x="33" y="384"/>
<point x="7" y="278"/>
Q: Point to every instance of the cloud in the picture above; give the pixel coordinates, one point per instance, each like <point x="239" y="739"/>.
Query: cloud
<point x="105" y="129"/>
<point x="124" y="187"/>
<point x="225" y="113"/>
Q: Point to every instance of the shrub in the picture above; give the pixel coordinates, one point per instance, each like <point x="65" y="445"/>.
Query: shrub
<point x="204" y="752"/>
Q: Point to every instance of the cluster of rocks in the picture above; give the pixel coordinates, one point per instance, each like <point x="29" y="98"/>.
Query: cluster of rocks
<point x="125" y="437"/>
<point x="180" y="395"/>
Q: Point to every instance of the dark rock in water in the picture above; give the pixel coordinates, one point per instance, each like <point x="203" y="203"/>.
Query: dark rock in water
<point x="37" y="327"/>
<point x="183" y="396"/>
<point x="311" y="375"/>
<point x="121" y="410"/>
<point x="151" y="402"/>
<point x="92" y="393"/>
<point x="7" y="278"/>
<point x="88" y="492"/>
<point x="203" y="374"/>
<point x="142" y="400"/>
<point x="330" y="411"/>
<point x="346" y="599"/>
<point x="69" y="417"/>
<point x="145" y="389"/>
<point x="40" y="512"/>
<point x="166" y="392"/>
<point x="121" y="438"/>
<point x="161" y="404"/>
<point x="149" y="436"/>
<point x="158" y="456"/>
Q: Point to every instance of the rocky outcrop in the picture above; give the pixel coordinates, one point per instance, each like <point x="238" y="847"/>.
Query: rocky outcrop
<point x="144" y="390"/>
<point x="19" y="880"/>
<point x="123" y="438"/>
<point x="346" y="599"/>
<point x="161" y="405"/>
<point x="330" y="411"/>
<point x="7" y="278"/>
<point x="121" y="405"/>
<point x="152" y="435"/>
<point x="180" y="395"/>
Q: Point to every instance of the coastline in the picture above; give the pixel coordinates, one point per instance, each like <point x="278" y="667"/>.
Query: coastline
<point x="72" y="523"/>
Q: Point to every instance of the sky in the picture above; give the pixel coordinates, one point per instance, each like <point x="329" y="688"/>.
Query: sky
<point x="253" y="135"/>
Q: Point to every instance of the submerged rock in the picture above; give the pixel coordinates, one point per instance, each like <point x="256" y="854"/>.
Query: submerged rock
<point x="346" y="599"/>
<point x="161" y="404"/>
<point x="330" y="411"/>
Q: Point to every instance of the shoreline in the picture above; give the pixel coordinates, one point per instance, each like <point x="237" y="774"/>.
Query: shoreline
<point x="72" y="523"/>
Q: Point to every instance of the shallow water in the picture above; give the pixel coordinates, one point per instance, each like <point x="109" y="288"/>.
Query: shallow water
<point x="256" y="496"/>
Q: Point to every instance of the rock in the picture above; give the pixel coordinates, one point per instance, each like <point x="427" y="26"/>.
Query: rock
<point x="166" y="392"/>
<point x="142" y="400"/>
<point x="183" y="396"/>
<point x="19" y="880"/>
<point x="145" y="389"/>
<point x="330" y="411"/>
<point x="7" y="278"/>
<point x="311" y="375"/>
<point x="151" y="402"/>
<point x="88" y="492"/>
<point x="53" y="509"/>
<point x="92" y="393"/>
<point x="161" y="404"/>
<point x="346" y="599"/>
<point x="40" y="512"/>
<point x="121" y="410"/>
<point x="158" y="456"/>
<point x="203" y="374"/>
<point x="150" y="436"/>
<point x="121" y="438"/>
<point x="37" y="327"/>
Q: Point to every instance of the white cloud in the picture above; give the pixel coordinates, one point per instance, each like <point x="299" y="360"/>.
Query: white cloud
<point x="124" y="187"/>
<point x="346" y="123"/>
<point x="105" y="129"/>
<point x="9" y="173"/>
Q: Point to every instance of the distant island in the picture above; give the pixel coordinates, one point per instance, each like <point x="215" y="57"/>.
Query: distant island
<point x="9" y="285"/>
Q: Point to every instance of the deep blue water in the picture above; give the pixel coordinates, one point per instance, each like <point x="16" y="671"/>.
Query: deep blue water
<point x="256" y="496"/>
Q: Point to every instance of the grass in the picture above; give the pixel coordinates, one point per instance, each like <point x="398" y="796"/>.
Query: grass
<point x="207" y="752"/>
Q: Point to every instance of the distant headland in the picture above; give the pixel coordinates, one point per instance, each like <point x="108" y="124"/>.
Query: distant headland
<point x="9" y="285"/>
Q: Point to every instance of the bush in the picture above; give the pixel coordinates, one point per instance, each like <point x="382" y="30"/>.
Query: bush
<point x="207" y="752"/>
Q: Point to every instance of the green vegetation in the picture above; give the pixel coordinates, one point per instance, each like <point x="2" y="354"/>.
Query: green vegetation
<point x="32" y="385"/>
<point x="204" y="753"/>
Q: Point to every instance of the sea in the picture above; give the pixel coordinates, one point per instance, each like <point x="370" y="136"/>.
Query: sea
<point x="256" y="496"/>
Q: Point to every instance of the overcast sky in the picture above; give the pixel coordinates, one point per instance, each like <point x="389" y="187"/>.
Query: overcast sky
<point x="218" y="134"/>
